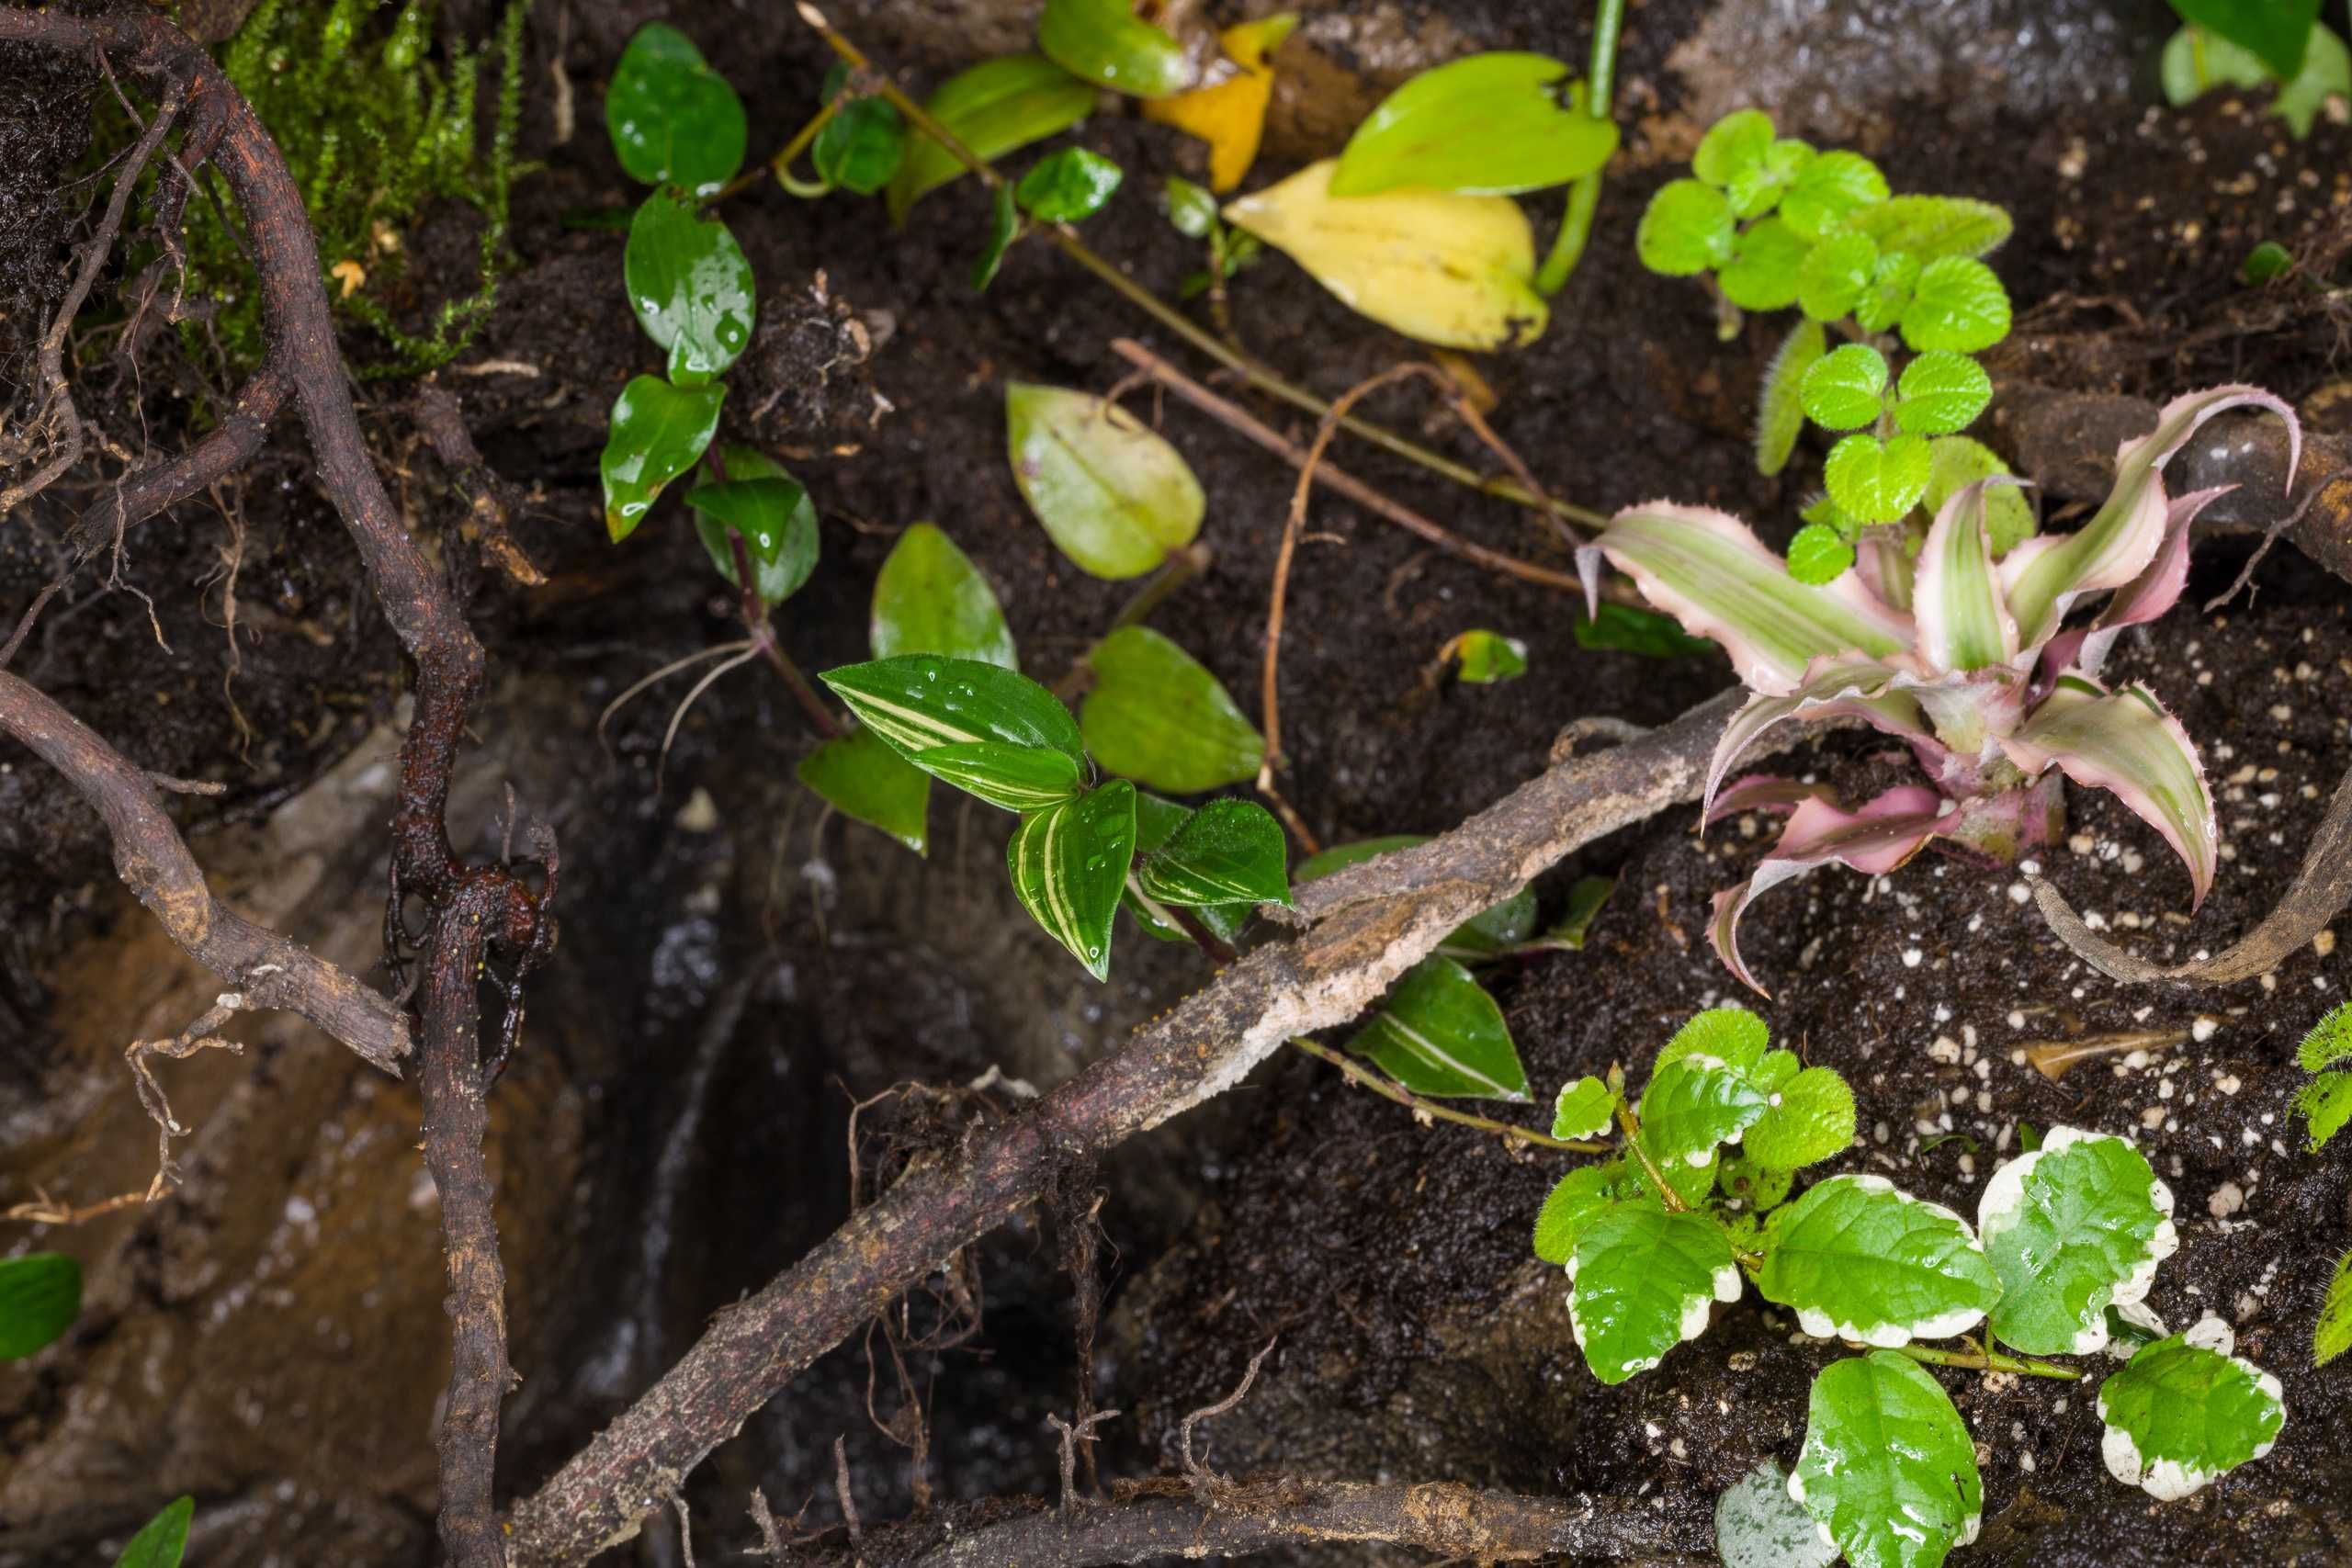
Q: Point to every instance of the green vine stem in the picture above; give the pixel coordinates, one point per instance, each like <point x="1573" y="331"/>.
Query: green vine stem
<point x="1584" y="196"/>
<point x="1388" y="1088"/>
<point x="1982" y="1357"/>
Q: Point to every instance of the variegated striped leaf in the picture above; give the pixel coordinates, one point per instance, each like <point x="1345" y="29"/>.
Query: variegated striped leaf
<point x="2126" y="743"/>
<point x="1019" y="778"/>
<point x="1963" y="625"/>
<point x="1440" y="1035"/>
<point x="1228" y="852"/>
<point x="1069" y="865"/>
<point x="918" y="702"/>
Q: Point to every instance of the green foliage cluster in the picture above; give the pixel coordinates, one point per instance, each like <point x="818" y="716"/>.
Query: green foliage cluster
<point x="2259" y="43"/>
<point x="372" y="129"/>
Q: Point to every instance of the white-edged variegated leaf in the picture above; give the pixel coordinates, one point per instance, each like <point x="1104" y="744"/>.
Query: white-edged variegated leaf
<point x="1860" y="1260"/>
<point x="1069" y="865"/>
<point x="918" y="701"/>
<point x="1873" y="840"/>
<point x="2126" y="743"/>
<point x="2043" y="576"/>
<point x="1228" y="851"/>
<point x="1585" y="1108"/>
<point x="1956" y="595"/>
<point x="1018" y="778"/>
<point x="1706" y="570"/>
<point x="2074" y="1228"/>
<point x="1830" y="687"/>
<point x="1888" y="1467"/>
<point x="1731" y="1034"/>
<point x="1642" y="1281"/>
<point x="1574" y="1201"/>
<point x="1440" y="1035"/>
<point x="2181" y="1413"/>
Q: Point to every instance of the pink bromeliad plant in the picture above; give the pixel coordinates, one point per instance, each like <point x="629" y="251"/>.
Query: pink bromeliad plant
<point x="1966" y="659"/>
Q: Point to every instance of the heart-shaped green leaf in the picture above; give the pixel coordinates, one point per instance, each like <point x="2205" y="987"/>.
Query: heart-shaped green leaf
<point x="1069" y="865"/>
<point x="1114" y="496"/>
<point x="40" y="1295"/>
<point x="1228" y="851"/>
<point x="1844" y="391"/>
<point x="1860" y="1260"/>
<point x="1811" y="1120"/>
<point x="1878" y="481"/>
<point x="1819" y="554"/>
<point x="930" y="598"/>
<point x="1687" y="229"/>
<point x="1004" y="227"/>
<point x="2075" y="1226"/>
<point x="1440" y="1035"/>
<point x="859" y="775"/>
<point x="1486" y="125"/>
<point x="1888" y="1468"/>
<point x="690" y="285"/>
<point x="1833" y="276"/>
<point x="1940" y="392"/>
<point x="1779" y="406"/>
<point x="1484" y="658"/>
<point x="1068" y="185"/>
<point x="1926" y="227"/>
<point x="1881" y="305"/>
<point x="658" y="430"/>
<point x="861" y="147"/>
<point x="1642" y="1281"/>
<point x="1829" y="193"/>
<point x="162" y="1541"/>
<point x="673" y="119"/>
<point x="1018" y="778"/>
<point x="1575" y="1200"/>
<point x="994" y="108"/>
<point x="917" y="701"/>
<point x="1585" y="1108"/>
<point x="2277" y="31"/>
<point x="770" y="509"/>
<point x="1957" y="304"/>
<point x="2181" y="1413"/>
<point x="1105" y="42"/>
<point x="1765" y="262"/>
<point x="1156" y="715"/>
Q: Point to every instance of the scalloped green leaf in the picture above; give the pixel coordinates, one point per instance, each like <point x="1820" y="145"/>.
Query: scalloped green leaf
<point x="1736" y="142"/>
<point x="1494" y="124"/>
<point x="2181" y="1413"/>
<point x="918" y="701"/>
<point x="1811" y="1120"/>
<point x="1888" y="1468"/>
<point x="1765" y="262"/>
<point x="1940" y="392"/>
<point x="1833" y="276"/>
<point x="1926" y="227"/>
<point x="1819" y="554"/>
<point x="1694" y="1105"/>
<point x="2332" y="1334"/>
<point x="1574" y="1201"/>
<point x="930" y="598"/>
<point x="1733" y="1035"/>
<point x="1756" y="189"/>
<point x="1018" y="778"/>
<point x="1687" y="229"/>
<point x="1114" y="495"/>
<point x="1440" y="1035"/>
<point x="2327" y="1105"/>
<point x="1779" y="406"/>
<point x="40" y="1295"/>
<point x="658" y="431"/>
<point x="2076" y="1225"/>
<point x="995" y="108"/>
<point x="862" y="776"/>
<point x="1829" y="192"/>
<point x="1585" y="1108"/>
<point x="1228" y="851"/>
<point x="1860" y="1260"/>
<point x="1069" y="865"/>
<point x="1878" y="481"/>
<point x="674" y="120"/>
<point x="162" y="1541"/>
<point x="691" y="286"/>
<point x="1880" y="305"/>
<point x="1958" y="304"/>
<point x="1157" y="715"/>
<point x="2327" y="1042"/>
<point x="1845" y="391"/>
<point x="1067" y="185"/>
<point x="1642" y="1281"/>
<point x="1955" y="462"/>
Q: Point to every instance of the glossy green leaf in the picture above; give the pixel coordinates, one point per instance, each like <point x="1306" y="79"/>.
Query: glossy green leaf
<point x="994" y="108"/>
<point x="1105" y="42"/>
<point x="1811" y="1120"/>
<point x="1734" y="1036"/>
<point x="1113" y="496"/>
<point x="917" y="701"/>
<point x="1004" y="227"/>
<point x="1926" y="227"/>
<point x="1876" y="480"/>
<point x="1585" y="1109"/>
<point x="1779" y="406"/>
<point x="768" y="507"/>
<point x="1687" y="229"/>
<point x="658" y="433"/>
<point x="1940" y="392"/>
<point x="1228" y="851"/>
<point x="2181" y="1413"/>
<point x="861" y="147"/>
<point x="1157" y="715"/>
<point x="1574" y="1201"/>
<point x="1831" y="193"/>
<point x="2277" y="32"/>
<point x="1440" y="1035"/>
<point x="1486" y="124"/>
<point x="1881" y="305"/>
<point x="1844" y="389"/>
<point x="1068" y="185"/>
<point x="1819" y="554"/>
<point x="1695" y="1104"/>
<point x="1586" y="897"/>
<point x="674" y="120"/>
<point x="1486" y="658"/>
<point x="2269" y="260"/>
<point x="1642" y="1281"/>
<point x="1018" y="778"/>
<point x="2076" y="1225"/>
<point x="1620" y="628"/>
<point x="162" y="1541"/>
<point x="1955" y="462"/>
<point x="1736" y="143"/>
<point x="1069" y="865"/>
<point x="1860" y="1260"/>
<point x="1888" y="1468"/>
<point x="2195" y="61"/>
<point x="1833" y="276"/>
<point x="691" y="286"/>
<point x="859" y="775"/>
<point x="2325" y="1105"/>
<point x="1958" y="304"/>
<point x="1758" y="1525"/>
<point x="40" y="1295"/>
<point x="1191" y="207"/>
<point x="1158" y="821"/>
<point x="2332" y="1335"/>
<point x="930" y="598"/>
<point x="1765" y="264"/>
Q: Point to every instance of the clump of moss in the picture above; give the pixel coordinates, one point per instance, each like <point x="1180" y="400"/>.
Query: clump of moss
<point x="373" y="129"/>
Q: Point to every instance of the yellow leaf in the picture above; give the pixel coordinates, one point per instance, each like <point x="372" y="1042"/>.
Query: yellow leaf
<point x="1450" y="270"/>
<point x="351" y="275"/>
<point x="1230" y="115"/>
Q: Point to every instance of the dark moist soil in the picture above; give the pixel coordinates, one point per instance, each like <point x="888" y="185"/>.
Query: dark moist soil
<point x="732" y="974"/>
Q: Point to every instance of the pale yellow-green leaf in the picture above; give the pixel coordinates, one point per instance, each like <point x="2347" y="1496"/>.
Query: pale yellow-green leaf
<point x="1114" y="496"/>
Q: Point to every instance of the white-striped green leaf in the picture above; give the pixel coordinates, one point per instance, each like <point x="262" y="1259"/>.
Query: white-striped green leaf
<point x="1069" y="865"/>
<point x="2182" y="1412"/>
<point x="1019" y="778"/>
<point x="1964" y="623"/>
<point x="1228" y="852"/>
<point x="2074" y="1228"/>
<point x="1706" y="570"/>
<point x="1860" y="1260"/>
<point x="918" y="701"/>
<point x="1642" y="1281"/>
<point x="1440" y="1035"/>
<point x="2125" y="743"/>
<point x="1888" y="1468"/>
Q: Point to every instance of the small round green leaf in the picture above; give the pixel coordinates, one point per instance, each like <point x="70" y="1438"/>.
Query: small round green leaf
<point x="1732" y="1035"/>
<point x="658" y="431"/>
<point x="1878" y="481"/>
<point x="861" y="147"/>
<point x="1940" y="392"/>
<point x="1069" y="865"/>
<point x="40" y="1295"/>
<point x="1765" y="263"/>
<point x="1583" y="1109"/>
<point x="1860" y="1260"/>
<point x="690" y="285"/>
<point x="1574" y="1201"/>
<point x="1758" y="1525"/>
<point x="2181" y="1413"/>
<point x="1779" y="406"/>
<point x="1738" y="142"/>
<point x="1829" y="190"/>
<point x="1642" y="1281"/>
<point x="1114" y="495"/>
<point x="1228" y="851"/>
<point x="1440" y="1035"/>
<point x="1819" y="554"/>
<point x="1833" y="276"/>
<point x="1106" y="43"/>
<point x="1843" y="391"/>
<point x="1687" y="229"/>
<point x="1757" y="189"/>
<point x="1067" y="185"/>
<point x="162" y="1541"/>
<point x="1694" y="1105"/>
<point x="1191" y="207"/>
<point x="1496" y="124"/>
<point x="1881" y="304"/>
<point x="917" y="701"/>
<point x="1888" y="1469"/>
<point x="930" y="598"/>
<point x="861" y="776"/>
<point x="1811" y="1120"/>
<point x="770" y="509"/>
<point x="1486" y="658"/>
<point x="1958" y="304"/>
<point x="2267" y="261"/>
<point x="1155" y="714"/>
<point x="674" y="120"/>
<point x="2076" y="1225"/>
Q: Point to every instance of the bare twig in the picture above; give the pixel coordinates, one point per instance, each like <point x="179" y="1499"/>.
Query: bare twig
<point x="1072" y="1436"/>
<point x="1195" y="1471"/>
<point x="198" y="1036"/>
<point x="841" y="1489"/>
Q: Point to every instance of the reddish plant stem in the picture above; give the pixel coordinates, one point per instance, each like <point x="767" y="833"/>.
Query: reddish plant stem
<point x="754" y="612"/>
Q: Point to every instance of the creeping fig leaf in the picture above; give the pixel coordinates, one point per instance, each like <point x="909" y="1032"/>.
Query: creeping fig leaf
<point x="1860" y="1260"/>
<point x="1575" y="1200"/>
<point x="2181" y="1413"/>
<point x="1758" y="1525"/>
<point x="1642" y="1281"/>
<point x="1583" y="1109"/>
<point x="2076" y="1225"/>
<point x="1888" y="1469"/>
